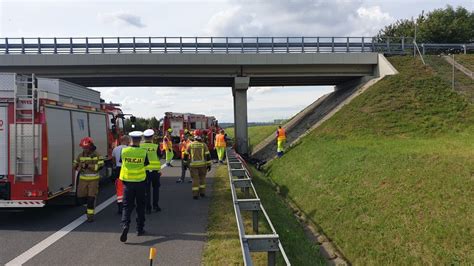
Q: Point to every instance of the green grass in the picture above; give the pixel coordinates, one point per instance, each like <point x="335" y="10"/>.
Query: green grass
<point x="223" y="246"/>
<point x="467" y="60"/>
<point x="390" y="177"/>
<point x="256" y="133"/>
<point x="462" y="83"/>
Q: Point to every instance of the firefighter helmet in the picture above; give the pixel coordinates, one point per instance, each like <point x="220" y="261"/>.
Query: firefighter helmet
<point x="86" y="142"/>
<point x="197" y="134"/>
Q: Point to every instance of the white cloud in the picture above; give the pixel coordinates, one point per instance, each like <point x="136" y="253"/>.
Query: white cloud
<point x="122" y="18"/>
<point x="298" y="18"/>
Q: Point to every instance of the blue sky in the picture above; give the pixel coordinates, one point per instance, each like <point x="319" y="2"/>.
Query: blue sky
<point x="48" y="18"/>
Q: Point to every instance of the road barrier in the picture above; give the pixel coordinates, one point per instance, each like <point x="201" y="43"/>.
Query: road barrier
<point x="240" y="178"/>
<point x="219" y="45"/>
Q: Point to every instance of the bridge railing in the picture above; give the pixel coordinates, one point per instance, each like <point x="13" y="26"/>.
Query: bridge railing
<point x="218" y="45"/>
<point x="239" y="178"/>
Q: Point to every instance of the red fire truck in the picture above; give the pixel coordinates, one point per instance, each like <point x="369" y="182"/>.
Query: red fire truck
<point x="41" y="124"/>
<point x="178" y="122"/>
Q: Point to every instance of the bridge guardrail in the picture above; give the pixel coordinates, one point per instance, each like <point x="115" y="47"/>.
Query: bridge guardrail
<point x="239" y="177"/>
<point x="217" y="45"/>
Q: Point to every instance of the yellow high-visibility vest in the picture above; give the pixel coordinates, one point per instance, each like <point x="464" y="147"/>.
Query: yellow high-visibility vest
<point x="153" y="159"/>
<point x="133" y="164"/>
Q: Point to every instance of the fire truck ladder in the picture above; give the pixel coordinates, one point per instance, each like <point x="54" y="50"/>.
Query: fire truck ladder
<point x="25" y="146"/>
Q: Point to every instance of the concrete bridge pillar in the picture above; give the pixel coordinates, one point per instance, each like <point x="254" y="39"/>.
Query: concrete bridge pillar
<point x="239" y="91"/>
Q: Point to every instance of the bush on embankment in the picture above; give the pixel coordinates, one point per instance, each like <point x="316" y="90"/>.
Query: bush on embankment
<point x="390" y="177"/>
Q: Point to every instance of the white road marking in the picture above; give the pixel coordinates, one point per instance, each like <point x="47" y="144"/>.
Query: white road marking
<point x="36" y="249"/>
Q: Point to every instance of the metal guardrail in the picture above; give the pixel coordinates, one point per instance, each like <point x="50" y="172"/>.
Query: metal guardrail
<point x="240" y="179"/>
<point x="218" y="45"/>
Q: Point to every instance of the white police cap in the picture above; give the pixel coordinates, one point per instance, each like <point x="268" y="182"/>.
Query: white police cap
<point x="136" y="134"/>
<point x="148" y="133"/>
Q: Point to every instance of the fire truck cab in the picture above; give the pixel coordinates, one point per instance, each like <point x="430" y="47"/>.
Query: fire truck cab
<point x="41" y="123"/>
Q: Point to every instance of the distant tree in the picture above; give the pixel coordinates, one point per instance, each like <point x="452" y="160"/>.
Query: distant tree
<point x="153" y="123"/>
<point x="446" y="25"/>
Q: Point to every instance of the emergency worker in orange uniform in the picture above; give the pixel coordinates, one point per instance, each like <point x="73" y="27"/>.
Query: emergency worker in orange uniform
<point x="281" y="140"/>
<point x="220" y="146"/>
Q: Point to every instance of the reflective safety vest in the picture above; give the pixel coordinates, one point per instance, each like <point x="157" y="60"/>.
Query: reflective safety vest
<point x="281" y="134"/>
<point x="93" y="161"/>
<point x="133" y="164"/>
<point x="153" y="159"/>
<point x="199" y="154"/>
<point x="167" y="144"/>
<point x="220" y="141"/>
<point x="184" y="146"/>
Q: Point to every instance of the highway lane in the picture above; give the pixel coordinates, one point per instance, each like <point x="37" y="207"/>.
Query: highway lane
<point x="178" y="232"/>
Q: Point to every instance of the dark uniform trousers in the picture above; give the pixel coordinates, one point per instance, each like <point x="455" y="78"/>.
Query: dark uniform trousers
<point x="134" y="194"/>
<point x="153" y="183"/>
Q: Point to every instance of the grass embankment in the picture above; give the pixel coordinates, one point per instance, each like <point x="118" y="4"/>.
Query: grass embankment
<point x="390" y="177"/>
<point x="256" y="133"/>
<point x="462" y="83"/>
<point x="467" y="60"/>
<point x="223" y="246"/>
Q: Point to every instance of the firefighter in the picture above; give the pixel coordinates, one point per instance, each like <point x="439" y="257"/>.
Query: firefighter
<point x="88" y="163"/>
<point x="281" y="140"/>
<point x="133" y="175"/>
<point x="153" y="174"/>
<point x="168" y="148"/>
<point x="220" y="146"/>
<point x="199" y="159"/>
<point x="116" y="155"/>
<point x="183" y="146"/>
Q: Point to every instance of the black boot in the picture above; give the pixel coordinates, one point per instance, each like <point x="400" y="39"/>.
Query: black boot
<point x="123" y="237"/>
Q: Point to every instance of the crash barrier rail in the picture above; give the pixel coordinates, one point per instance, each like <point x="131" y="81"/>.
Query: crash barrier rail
<point x="239" y="178"/>
<point x="222" y="45"/>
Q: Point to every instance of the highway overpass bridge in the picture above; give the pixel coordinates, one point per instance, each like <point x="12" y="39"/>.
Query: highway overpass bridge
<point x="213" y="63"/>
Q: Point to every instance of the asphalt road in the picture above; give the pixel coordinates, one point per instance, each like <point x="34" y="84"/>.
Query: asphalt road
<point x="178" y="232"/>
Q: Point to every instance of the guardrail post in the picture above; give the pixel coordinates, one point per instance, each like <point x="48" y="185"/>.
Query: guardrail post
<point x="6" y="46"/>
<point x="149" y="45"/>
<point x="332" y="45"/>
<point x="255" y="221"/>
<point x="134" y="48"/>
<point x="39" y="46"/>
<point x="226" y="45"/>
<point x="102" y="44"/>
<point x="465" y="49"/>
<point x="71" y="51"/>
<point x="242" y="44"/>
<point x="180" y="45"/>
<point x="118" y="45"/>
<point x="55" y="46"/>
<point x="22" y="45"/>
<point x="212" y="45"/>
<point x="302" y="45"/>
<point x="373" y="44"/>
<point x="196" y="41"/>
<point x="403" y="44"/>
<point x="363" y="45"/>
<point x="388" y="44"/>
<point x="273" y="45"/>
<point x="271" y="258"/>
<point x="317" y="44"/>
<point x="287" y="45"/>
<point x="87" y="45"/>
<point x="347" y="45"/>
<point x="166" y="46"/>
<point x="257" y="46"/>
<point x="423" y="48"/>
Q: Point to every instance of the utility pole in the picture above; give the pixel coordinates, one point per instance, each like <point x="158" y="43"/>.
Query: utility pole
<point x="454" y="62"/>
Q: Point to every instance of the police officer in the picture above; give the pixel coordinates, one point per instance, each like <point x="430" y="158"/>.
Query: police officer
<point x="199" y="160"/>
<point x="153" y="174"/>
<point x="133" y="175"/>
<point x="88" y="163"/>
